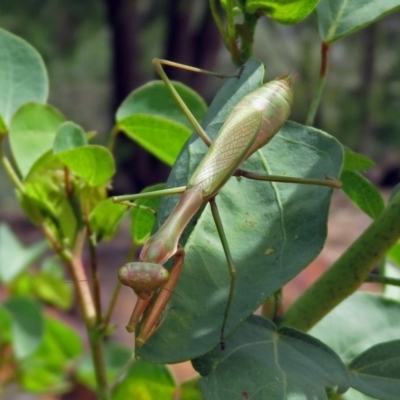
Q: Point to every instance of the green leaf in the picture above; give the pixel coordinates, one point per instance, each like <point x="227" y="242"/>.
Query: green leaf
<point x="394" y="253"/>
<point x="146" y="381"/>
<point x="159" y="136"/>
<point x="143" y="220"/>
<point x="69" y="136"/>
<point x="286" y="12"/>
<point x="14" y="257"/>
<point x="362" y="193"/>
<point x="154" y="99"/>
<point x="355" y="161"/>
<point x="23" y="76"/>
<point x="358" y="323"/>
<point x="92" y="163"/>
<point x="282" y="364"/>
<point x="44" y="371"/>
<point x="287" y="220"/>
<point x="341" y="18"/>
<point x="27" y="325"/>
<point x="151" y="116"/>
<point x="32" y="132"/>
<point x="376" y="372"/>
<point x="105" y="218"/>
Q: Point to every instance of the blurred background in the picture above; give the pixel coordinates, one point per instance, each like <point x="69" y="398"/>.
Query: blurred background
<point x="98" y="51"/>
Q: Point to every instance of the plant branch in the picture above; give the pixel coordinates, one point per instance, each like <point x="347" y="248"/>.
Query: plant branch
<point x="348" y="272"/>
<point x="320" y="86"/>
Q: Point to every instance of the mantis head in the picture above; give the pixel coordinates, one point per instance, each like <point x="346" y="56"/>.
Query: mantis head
<point x="144" y="278"/>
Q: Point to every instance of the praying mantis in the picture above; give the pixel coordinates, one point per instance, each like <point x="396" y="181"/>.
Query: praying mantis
<point x="232" y="146"/>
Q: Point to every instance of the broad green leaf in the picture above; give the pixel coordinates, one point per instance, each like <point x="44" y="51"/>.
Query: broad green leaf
<point x="341" y="18"/>
<point x="105" y="218"/>
<point x="151" y="116"/>
<point x="44" y="370"/>
<point x="282" y="364"/>
<point x="285" y="12"/>
<point x="362" y="193"/>
<point x="92" y="163"/>
<point x="14" y="257"/>
<point x="274" y="230"/>
<point x="146" y="381"/>
<point x="69" y="136"/>
<point x="155" y="99"/>
<point x="355" y="161"/>
<point x="376" y="372"/>
<point x="32" y="131"/>
<point x="143" y="220"/>
<point x="159" y="136"/>
<point x="358" y="323"/>
<point x="27" y="325"/>
<point x="23" y="76"/>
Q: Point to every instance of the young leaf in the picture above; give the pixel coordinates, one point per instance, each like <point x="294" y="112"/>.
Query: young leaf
<point x="376" y="372"/>
<point x="285" y="12"/>
<point x="23" y="76"/>
<point x="154" y="98"/>
<point x="363" y="193"/>
<point x="283" y="364"/>
<point x="32" y="132"/>
<point x="105" y="218"/>
<point x="14" y="257"/>
<point x="92" y="163"/>
<point x="143" y="220"/>
<point x="27" y="325"/>
<point x="69" y="136"/>
<point x="355" y="161"/>
<point x="159" y="136"/>
<point x="152" y="117"/>
<point x="341" y="18"/>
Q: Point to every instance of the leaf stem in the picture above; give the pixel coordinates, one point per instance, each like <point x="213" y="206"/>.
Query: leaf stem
<point x="14" y="178"/>
<point x="348" y="272"/>
<point x="320" y="86"/>
<point x="384" y="280"/>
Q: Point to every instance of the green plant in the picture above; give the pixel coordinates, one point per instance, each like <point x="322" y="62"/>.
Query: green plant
<point x="61" y="182"/>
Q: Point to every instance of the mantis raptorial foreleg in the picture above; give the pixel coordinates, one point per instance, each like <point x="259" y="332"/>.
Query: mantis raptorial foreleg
<point x="251" y="124"/>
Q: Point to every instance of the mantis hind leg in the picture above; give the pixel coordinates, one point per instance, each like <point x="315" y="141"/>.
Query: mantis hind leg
<point x="232" y="270"/>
